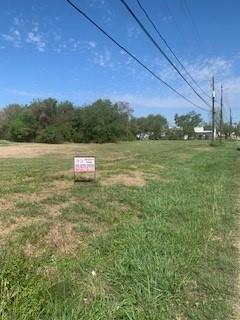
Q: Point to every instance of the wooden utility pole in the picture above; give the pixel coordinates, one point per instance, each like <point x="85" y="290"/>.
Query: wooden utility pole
<point x="230" y="122"/>
<point x="213" y="110"/>
<point x="221" y="114"/>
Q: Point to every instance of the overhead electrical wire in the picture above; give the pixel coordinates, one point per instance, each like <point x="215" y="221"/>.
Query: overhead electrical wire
<point x="177" y="25"/>
<point x="133" y="56"/>
<point x="191" y="19"/>
<point x="161" y="50"/>
<point x="168" y="46"/>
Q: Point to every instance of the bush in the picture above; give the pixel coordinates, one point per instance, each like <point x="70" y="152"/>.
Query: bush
<point x="175" y="134"/>
<point x="50" y="134"/>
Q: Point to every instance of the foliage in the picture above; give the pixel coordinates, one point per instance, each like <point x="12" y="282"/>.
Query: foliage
<point x="51" y="121"/>
<point x="22" y="126"/>
<point x="50" y="134"/>
<point x="153" y="125"/>
<point x="188" y="122"/>
<point x="175" y="134"/>
<point x="101" y="122"/>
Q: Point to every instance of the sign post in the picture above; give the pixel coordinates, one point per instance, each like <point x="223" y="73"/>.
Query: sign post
<point x="84" y="168"/>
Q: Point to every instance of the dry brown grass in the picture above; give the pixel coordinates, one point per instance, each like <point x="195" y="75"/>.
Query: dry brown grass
<point x="59" y="187"/>
<point x="54" y="210"/>
<point x="17" y="223"/>
<point x="33" y="150"/>
<point x="6" y="204"/>
<point x="135" y="179"/>
<point x="61" y="238"/>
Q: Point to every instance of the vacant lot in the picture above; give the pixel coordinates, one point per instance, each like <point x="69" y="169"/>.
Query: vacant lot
<point x="154" y="238"/>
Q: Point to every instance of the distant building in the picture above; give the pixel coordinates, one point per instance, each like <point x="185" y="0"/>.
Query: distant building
<point x="143" y="136"/>
<point x="201" y="133"/>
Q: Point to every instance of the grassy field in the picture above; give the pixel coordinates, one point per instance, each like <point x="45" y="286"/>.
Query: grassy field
<point x="153" y="239"/>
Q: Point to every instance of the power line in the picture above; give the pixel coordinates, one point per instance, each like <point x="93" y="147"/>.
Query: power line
<point x="168" y="46"/>
<point x="177" y="25"/>
<point x="161" y="50"/>
<point x="188" y="12"/>
<point x="133" y="56"/>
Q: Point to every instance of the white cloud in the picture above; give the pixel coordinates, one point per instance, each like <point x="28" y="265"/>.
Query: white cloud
<point x="37" y="40"/>
<point x="18" y="22"/>
<point x="72" y="44"/>
<point x="103" y="59"/>
<point x="13" y="37"/>
<point x="32" y="33"/>
<point x="92" y="44"/>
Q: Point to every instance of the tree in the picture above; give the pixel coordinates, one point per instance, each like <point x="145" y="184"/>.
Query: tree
<point x="188" y="122"/>
<point x="157" y="125"/>
<point x="175" y="134"/>
<point x="237" y="129"/>
<point x="153" y="126"/>
<point x="22" y="127"/>
<point x="51" y="134"/>
<point x="101" y="122"/>
<point x="44" y="111"/>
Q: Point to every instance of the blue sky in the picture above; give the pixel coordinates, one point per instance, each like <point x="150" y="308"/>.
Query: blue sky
<point x="47" y="49"/>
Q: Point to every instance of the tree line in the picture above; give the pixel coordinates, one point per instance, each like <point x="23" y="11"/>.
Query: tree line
<point x="51" y="121"/>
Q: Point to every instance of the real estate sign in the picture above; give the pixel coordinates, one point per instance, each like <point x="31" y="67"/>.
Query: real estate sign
<point x="84" y="168"/>
<point x="84" y="164"/>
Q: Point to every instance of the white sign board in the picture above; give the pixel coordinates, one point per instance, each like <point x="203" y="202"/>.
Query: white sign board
<point x="84" y="164"/>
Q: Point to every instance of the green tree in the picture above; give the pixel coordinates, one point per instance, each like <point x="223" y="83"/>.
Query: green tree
<point x="157" y="125"/>
<point x="22" y="127"/>
<point x="101" y="122"/>
<point x="44" y="111"/>
<point x="50" y="134"/>
<point x="153" y="126"/>
<point x="188" y="122"/>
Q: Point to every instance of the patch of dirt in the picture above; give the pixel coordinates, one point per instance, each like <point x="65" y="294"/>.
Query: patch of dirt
<point x="135" y="179"/>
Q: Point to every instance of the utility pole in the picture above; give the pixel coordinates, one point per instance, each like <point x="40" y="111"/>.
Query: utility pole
<point x="221" y="114"/>
<point x="213" y="110"/>
<point x="230" y="122"/>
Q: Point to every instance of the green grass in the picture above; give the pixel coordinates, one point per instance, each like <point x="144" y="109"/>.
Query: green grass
<point x="161" y="251"/>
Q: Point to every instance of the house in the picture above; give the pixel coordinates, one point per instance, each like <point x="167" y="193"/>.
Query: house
<point x="201" y="133"/>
